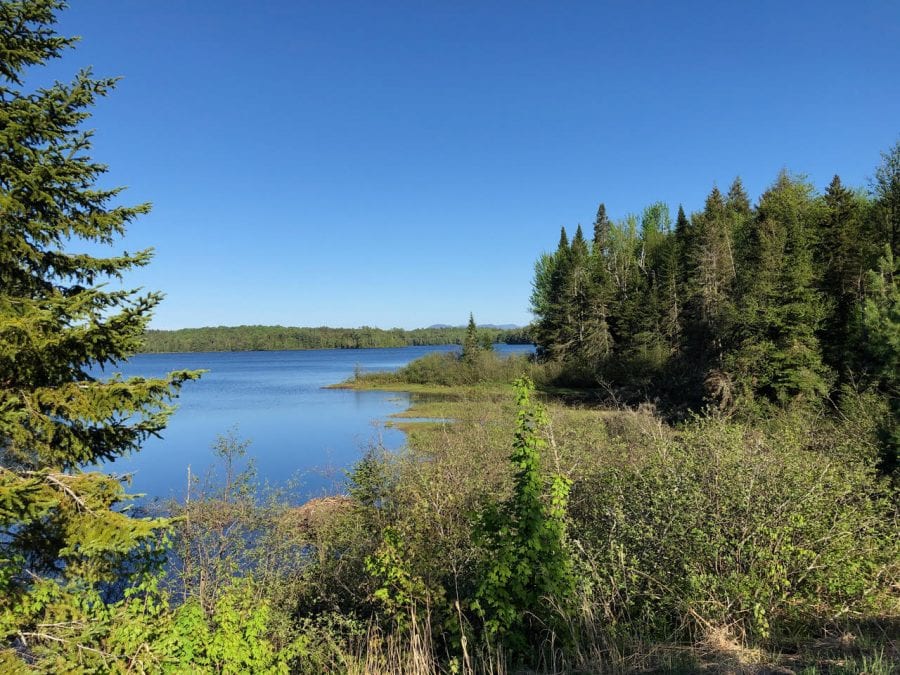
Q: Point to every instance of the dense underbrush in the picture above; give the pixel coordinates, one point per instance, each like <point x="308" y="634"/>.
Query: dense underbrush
<point x="527" y="536"/>
<point x="713" y="542"/>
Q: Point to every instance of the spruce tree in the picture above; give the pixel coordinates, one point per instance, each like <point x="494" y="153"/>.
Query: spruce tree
<point x="739" y="214"/>
<point x="646" y="305"/>
<point x="62" y="530"/>
<point x="471" y="345"/>
<point x="575" y="297"/>
<point x="881" y="323"/>
<point x="714" y="261"/>
<point x="842" y="259"/>
<point x="737" y="199"/>
<point x="579" y="247"/>
<point x="602" y="228"/>
<point x="706" y="252"/>
<point x="549" y="302"/>
<point x="886" y="189"/>
<point x="586" y="338"/>
<point x="684" y="244"/>
<point x="602" y="286"/>
<point x="779" y="355"/>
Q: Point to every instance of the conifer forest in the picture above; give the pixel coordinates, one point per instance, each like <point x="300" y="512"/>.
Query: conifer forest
<point x="696" y="471"/>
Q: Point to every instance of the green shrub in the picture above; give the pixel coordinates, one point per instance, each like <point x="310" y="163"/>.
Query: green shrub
<point x="729" y="526"/>
<point x="527" y="573"/>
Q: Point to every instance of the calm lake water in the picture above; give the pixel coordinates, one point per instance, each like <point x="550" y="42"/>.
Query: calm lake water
<point x="297" y="429"/>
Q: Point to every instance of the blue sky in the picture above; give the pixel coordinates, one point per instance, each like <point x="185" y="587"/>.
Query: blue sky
<point x="403" y="164"/>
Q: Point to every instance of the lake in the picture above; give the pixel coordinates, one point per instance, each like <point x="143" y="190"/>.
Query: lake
<point x="276" y="400"/>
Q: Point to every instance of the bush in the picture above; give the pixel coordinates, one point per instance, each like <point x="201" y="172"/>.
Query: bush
<point x="729" y="526"/>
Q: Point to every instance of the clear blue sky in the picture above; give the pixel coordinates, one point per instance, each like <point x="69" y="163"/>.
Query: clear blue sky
<point x="402" y="164"/>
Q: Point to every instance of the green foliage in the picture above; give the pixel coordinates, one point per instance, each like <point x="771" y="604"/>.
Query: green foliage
<point x="527" y="576"/>
<point x="474" y="343"/>
<point x="779" y="356"/>
<point x="758" y="530"/>
<point x="370" y="481"/>
<point x="736" y="306"/>
<point x="447" y="369"/>
<point x="764" y="530"/>
<point x="881" y="322"/>
<point x="843" y="252"/>
<point x="141" y="633"/>
<point x="397" y="590"/>
<point x="886" y="190"/>
<point x="215" y="524"/>
<point x="67" y="543"/>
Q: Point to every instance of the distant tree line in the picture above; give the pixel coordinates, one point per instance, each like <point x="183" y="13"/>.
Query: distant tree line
<point x="261" y="338"/>
<point x="794" y="299"/>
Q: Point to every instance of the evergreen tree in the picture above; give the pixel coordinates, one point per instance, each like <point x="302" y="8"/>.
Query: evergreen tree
<point x="737" y="199"/>
<point x="740" y="215"/>
<point x="577" y="294"/>
<point x="579" y="248"/>
<point x="563" y="245"/>
<point x="62" y="531"/>
<point x="714" y="268"/>
<point x="766" y="300"/>
<point x="541" y="291"/>
<point x="602" y="228"/>
<point x="669" y="293"/>
<point x="886" y="189"/>
<point x="624" y="280"/>
<point x="471" y="345"/>
<point x="881" y="321"/>
<point x="779" y="356"/>
<point x="586" y="338"/>
<point x="842" y="261"/>
<point x="602" y="285"/>
<point x="552" y="308"/>
<point x="706" y="251"/>
<point x="647" y="302"/>
<point x="684" y="244"/>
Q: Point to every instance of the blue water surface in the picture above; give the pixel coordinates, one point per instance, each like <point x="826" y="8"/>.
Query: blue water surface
<point x="298" y="430"/>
